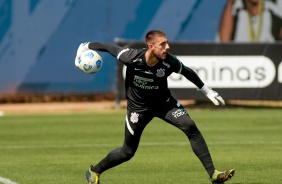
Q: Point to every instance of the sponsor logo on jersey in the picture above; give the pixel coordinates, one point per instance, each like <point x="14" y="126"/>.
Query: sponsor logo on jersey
<point x="179" y="112"/>
<point x="134" y="117"/>
<point x="148" y="72"/>
<point x="144" y="83"/>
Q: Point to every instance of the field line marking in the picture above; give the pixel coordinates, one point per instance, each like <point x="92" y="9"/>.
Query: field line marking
<point x="6" y="181"/>
<point x="141" y="144"/>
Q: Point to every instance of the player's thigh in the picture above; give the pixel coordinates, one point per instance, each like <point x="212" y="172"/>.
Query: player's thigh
<point x="177" y="115"/>
<point x="134" y="126"/>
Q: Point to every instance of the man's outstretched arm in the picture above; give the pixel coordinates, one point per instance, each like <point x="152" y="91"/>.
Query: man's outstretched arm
<point x="97" y="46"/>
<point x="207" y="91"/>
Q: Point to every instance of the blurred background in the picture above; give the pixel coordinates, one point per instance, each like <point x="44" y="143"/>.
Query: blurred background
<point x="39" y="38"/>
<point x="234" y="46"/>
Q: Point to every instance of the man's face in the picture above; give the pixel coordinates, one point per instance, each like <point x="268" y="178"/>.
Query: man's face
<point x="160" y="47"/>
<point x="253" y="6"/>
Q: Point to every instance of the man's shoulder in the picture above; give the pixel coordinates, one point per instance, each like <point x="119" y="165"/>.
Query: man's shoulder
<point x="172" y="62"/>
<point x="129" y="55"/>
<point x="138" y="53"/>
<point x="171" y="59"/>
<point x="141" y="51"/>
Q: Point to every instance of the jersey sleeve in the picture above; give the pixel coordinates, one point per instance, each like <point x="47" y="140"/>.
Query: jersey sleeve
<point x="105" y="47"/>
<point x="192" y="76"/>
<point x="188" y="73"/>
<point x="125" y="55"/>
<point x="175" y="64"/>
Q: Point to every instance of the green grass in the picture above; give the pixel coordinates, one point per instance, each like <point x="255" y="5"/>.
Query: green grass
<point x="58" y="148"/>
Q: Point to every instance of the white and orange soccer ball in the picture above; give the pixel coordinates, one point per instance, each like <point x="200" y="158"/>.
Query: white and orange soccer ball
<point x="90" y="62"/>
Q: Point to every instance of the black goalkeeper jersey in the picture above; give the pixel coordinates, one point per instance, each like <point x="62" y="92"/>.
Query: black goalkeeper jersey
<point x="146" y="86"/>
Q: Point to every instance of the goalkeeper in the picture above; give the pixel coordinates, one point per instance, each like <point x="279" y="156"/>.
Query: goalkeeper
<point x="148" y="96"/>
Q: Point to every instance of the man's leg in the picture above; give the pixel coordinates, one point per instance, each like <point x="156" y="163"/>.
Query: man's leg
<point x="134" y="126"/>
<point x="176" y="115"/>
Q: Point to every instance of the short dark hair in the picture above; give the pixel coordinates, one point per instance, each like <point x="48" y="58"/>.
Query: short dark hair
<point x="151" y="35"/>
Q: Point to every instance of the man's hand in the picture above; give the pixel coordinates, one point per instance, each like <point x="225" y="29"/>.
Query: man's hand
<point x="212" y="95"/>
<point x="82" y="47"/>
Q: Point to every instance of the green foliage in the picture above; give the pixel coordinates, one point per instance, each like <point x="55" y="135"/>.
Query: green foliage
<point x="58" y="148"/>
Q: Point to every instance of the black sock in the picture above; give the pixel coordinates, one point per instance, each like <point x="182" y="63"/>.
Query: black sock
<point x="200" y="148"/>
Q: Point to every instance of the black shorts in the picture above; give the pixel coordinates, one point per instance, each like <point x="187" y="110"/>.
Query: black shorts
<point x="170" y="111"/>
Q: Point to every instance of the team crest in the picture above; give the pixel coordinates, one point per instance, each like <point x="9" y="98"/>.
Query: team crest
<point x="134" y="117"/>
<point x="160" y="72"/>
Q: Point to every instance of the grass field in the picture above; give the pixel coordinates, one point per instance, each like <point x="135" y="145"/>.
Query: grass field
<point x="58" y="148"/>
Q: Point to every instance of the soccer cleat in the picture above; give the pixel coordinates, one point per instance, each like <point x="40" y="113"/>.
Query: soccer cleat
<point x="220" y="177"/>
<point x="92" y="177"/>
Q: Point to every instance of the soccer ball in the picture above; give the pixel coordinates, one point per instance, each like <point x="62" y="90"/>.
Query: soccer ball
<point x="90" y="62"/>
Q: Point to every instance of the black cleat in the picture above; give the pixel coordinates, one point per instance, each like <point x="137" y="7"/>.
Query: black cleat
<point x="220" y="177"/>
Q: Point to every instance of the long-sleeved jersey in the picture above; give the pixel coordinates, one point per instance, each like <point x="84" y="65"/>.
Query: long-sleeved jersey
<point x="145" y="86"/>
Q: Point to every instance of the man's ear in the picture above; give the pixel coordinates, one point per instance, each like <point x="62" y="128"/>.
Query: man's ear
<point x="149" y="46"/>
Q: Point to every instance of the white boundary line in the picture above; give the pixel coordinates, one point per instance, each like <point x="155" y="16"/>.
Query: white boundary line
<point x="141" y="144"/>
<point x="6" y="181"/>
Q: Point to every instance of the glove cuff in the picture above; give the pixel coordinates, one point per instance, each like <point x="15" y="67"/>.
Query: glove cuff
<point x="205" y="90"/>
<point x="85" y="45"/>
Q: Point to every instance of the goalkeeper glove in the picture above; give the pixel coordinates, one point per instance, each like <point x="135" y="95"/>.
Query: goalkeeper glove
<point x="82" y="47"/>
<point x="212" y="95"/>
